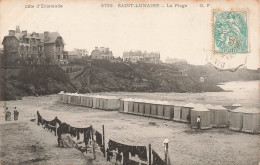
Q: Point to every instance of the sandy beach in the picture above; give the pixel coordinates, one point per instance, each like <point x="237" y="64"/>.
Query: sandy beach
<point x="25" y="142"/>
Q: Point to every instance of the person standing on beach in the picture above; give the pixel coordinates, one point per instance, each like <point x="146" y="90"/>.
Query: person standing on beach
<point x="198" y="122"/>
<point x="7" y="114"/>
<point x="16" y="113"/>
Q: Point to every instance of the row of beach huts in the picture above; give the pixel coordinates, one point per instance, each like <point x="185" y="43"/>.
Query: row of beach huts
<point x="235" y="117"/>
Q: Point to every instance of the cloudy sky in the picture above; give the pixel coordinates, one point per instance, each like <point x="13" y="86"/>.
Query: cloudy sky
<point x="176" y="32"/>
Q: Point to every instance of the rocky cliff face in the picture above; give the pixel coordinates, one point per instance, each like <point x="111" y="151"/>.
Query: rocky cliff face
<point x="34" y="81"/>
<point x="105" y="76"/>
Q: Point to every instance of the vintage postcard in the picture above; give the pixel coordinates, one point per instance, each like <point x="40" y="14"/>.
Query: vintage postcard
<point x="131" y="82"/>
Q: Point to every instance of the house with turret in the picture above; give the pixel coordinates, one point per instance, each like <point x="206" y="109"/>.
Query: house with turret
<point x="34" y="48"/>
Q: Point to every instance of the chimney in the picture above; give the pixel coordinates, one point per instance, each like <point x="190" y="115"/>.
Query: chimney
<point x="11" y="32"/>
<point x="46" y="35"/>
<point x="24" y="32"/>
<point x="17" y="29"/>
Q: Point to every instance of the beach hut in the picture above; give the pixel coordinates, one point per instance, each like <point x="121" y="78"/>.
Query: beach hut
<point x="112" y="103"/>
<point x="236" y="119"/>
<point x="160" y="109"/>
<point x="65" y="98"/>
<point x="96" y="101"/>
<point x="219" y="116"/>
<point x="121" y="108"/>
<point x="205" y="119"/>
<point x="168" y="110"/>
<point x="87" y="101"/>
<point x="251" y="121"/>
<point x="90" y="101"/>
<point x="177" y="112"/>
<point x="80" y="99"/>
<point x="77" y="98"/>
<point x="126" y="105"/>
<point x="154" y="106"/>
<point x="69" y="98"/>
<point x="131" y="106"/>
<point x="72" y="99"/>
<point x="185" y="111"/>
<point x="101" y="102"/>
<point x="83" y="100"/>
<point x="136" y="107"/>
<point x="141" y="107"/>
<point x="147" y="107"/>
<point x="60" y="96"/>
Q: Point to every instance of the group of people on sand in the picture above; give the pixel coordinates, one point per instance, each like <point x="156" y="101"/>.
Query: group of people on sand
<point x="8" y="114"/>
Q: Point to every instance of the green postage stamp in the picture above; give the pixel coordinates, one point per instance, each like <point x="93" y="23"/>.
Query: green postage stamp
<point x="230" y="32"/>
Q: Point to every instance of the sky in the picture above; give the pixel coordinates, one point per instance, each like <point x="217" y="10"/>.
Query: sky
<point x="183" y="33"/>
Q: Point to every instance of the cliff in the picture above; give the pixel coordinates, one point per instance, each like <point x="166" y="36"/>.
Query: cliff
<point x="105" y="76"/>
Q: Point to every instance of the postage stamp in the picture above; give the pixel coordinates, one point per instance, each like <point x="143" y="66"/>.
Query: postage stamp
<point x="230" y="32"/>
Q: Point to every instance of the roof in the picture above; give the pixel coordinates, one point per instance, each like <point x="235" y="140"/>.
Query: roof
<point x="209" y="106"/>
<point x="18" y="36"/>
<point x="218" y="107"/>
<point x="152" y="55"/>
<point x="191" y="105"/>
<point x="200" y="107"/>
<point x="51" y="39"/>
<point x="247" y="110"/>
<point x="73" y="53"/>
